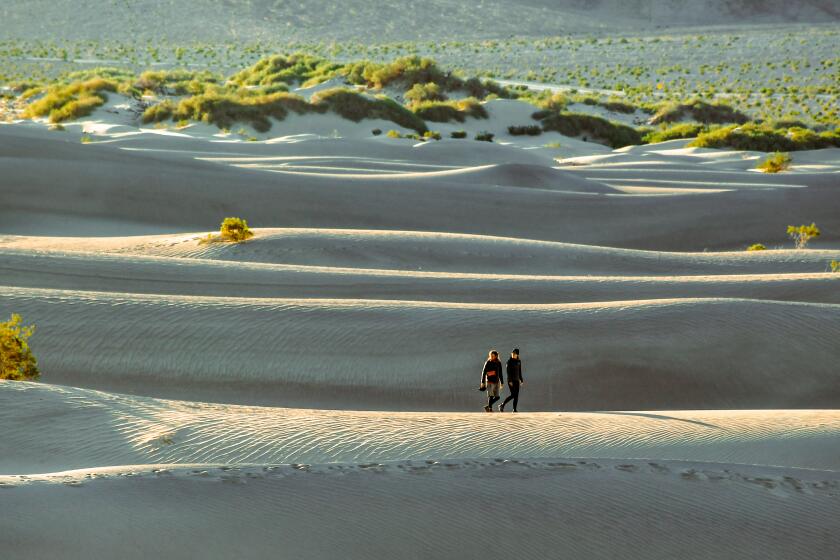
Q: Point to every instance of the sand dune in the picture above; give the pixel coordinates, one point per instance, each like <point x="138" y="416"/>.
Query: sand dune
<point x="81" y="427"/>
<point x="586" y="509"/>
<point x="273" y="351"/>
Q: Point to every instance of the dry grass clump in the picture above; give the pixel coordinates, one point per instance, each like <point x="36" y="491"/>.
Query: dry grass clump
<point x="776" y="163"/>
<point x="801" y="235"/>
<point x="232" y="230"/>
<point x="71" y="101"/>
<point x="756" y="247"/>
<point x="700" y="111"/>
<point x="17" y="363"/>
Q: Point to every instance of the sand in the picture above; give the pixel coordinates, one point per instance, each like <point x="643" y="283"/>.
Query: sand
<point x="313" y="392"/>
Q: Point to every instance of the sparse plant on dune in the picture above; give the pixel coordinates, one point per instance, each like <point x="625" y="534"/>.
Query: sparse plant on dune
<point x="801" y="235"/>
<point x="376" y="131"/>
<point x="235" y="229"/>
<point x="756" y="247"/>
<point x="530" y="130"/>
<point x="356" y="106"/>
<point x="776" y="163"/>
<point x="700" y="111"/>
<point x="485" y="136"/>
<point x="458" y="134"/>
<point x="17" y="363"/>
<point x="67" y="102"/>
<point x="835" y="266"/>
<point x="448" y="111"/>
<point x="85" y="139"/>
<point x="613" y="134"/>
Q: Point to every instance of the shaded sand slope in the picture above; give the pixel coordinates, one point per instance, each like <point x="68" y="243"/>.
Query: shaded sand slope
<point x="172" y="191"/>
<point x="136" y="274"/>
<point x="397" y="354"/>
<point x="583" y="509"/>
<point x="52" y="428"/>
<point x="436" y="251"/>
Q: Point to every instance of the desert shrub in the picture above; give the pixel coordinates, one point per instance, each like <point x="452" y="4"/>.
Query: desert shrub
<point x="235" y="229"/>
<point x="675" y="132"/>
<point x="700" y="111"/>
<point x="225" y="109"/>
<point x="448" y="111"/>
<point x="406" y="71"/>
<point x="458" y="134"/>
<point x="756" y="247"/>
<point x="297" y="68"/>
<point x="376" y="131"/>
<point x="17" y="363"/>
<point x="801" y="235"/>
<point x="424" y="92"/>
<point x="618" y="106"/>
<point x="530" y="130"/>
<point x="432" y="135"/>
<point x="775" y="163"/>
<point x="394" y="134"/>
<point x="85" y="139"/>
<point x="66" y="102"/>
<point x="762" y="138"/>
<point x="612" y="134"/>
<point x="835" y="266"/>
<point x="158" y="113"/>
<point x="485" y="136"/>
<point x="356" y="106"/>
<point x="175" y="82"/>
<point x="552" y="102"/>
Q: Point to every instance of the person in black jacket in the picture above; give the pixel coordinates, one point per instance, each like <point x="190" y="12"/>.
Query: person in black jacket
<point x="491" y="379"/>
<point x="514" y="375"/>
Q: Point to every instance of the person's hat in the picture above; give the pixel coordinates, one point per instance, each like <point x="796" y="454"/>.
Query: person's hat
<point x="516" y="350"/>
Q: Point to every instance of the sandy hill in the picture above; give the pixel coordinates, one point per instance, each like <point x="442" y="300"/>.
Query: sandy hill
<point x="323" y="20"/>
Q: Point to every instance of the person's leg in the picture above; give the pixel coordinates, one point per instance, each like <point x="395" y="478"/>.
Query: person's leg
<point x="514" y="395"/>
<point x="507" y="400"/>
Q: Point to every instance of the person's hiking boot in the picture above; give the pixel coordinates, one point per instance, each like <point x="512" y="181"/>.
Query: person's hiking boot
<point x="488" y="409"/>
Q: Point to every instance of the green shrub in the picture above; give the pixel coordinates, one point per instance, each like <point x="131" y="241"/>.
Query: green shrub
<point x="432" y="135"/>
<point x="297" y="68"/>
<point x="757" y="247"/>
<point x="235" y="229"/>
<point x="485" y="136"/>
<point x="612" y="134"/>
<point x="424" y="92"/>
<point x="762" y="138"/>
<point x="17" y="363"/>
<point x="458" y="134"/>
<point x="356" y="106"/>
<point x="700" y="111"/>
<point x="67" y="102"/>
<point x="530" y="130"/>
<point x="775" y="163"/>
<point x="176" y="82"/>
<point x="448" y="111"/>
<point x="407" y="71"/>
<point x="801" y="235"/>
<point x="394" y="134"/>
<point x="224" y="110"/>
<point x="835" y="266"/>
<point x="675" y="132"/>
<point x="158" y="113"/>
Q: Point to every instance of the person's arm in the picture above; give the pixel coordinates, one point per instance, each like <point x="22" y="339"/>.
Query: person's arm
<point x="501" y="377"/>
<point x="521" y="379"/>
<point x="484" y="373"/>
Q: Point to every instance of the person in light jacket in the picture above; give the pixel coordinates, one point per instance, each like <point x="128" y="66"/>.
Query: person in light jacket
<point x="491" y="379"/>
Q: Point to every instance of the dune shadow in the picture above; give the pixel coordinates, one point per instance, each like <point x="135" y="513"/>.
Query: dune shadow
<point x="663" y="417"/>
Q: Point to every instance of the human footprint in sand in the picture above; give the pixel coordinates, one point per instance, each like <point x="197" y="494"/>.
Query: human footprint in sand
<point x="491" y="379"/>
<point x="515" y="380"/>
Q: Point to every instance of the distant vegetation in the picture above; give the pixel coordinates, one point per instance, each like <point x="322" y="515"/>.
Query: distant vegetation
<point x="756" y="247"/>
<point x="484" y="136"/>
<point x="449" y="111"/>
<point x="17" y="363"/>
<point x="835" y="266"/>
<point x="699" y="111"/>
<point x="801" y="235"/>
<point x="775" y="163"/>
<point x="589" y="128"/>
<point x="764" y="138"/>
<point x="675" y="132"/>
<point x="530" y="130"/>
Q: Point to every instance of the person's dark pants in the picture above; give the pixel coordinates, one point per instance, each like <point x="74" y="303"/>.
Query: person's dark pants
<point x="514" y="396"/>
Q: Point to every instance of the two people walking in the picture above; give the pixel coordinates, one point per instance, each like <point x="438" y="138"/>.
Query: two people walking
<point x="492" y="380"/>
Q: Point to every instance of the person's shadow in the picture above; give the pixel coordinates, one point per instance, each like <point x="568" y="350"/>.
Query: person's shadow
<point x="663" y="417"/>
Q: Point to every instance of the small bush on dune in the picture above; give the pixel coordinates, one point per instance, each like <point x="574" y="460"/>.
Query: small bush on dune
<point x="530" y="130"/>
<point x="835" y="266"/>
<point x="424" y="92"/>
<point x="775" y="163"/>
<point x="235" y="229"/>
<point x="224" y="110"/>
<point x="675" y="132"/>
<point x="757" y="247"/>
<point x="700" y="111"/>
<point x="448" y="111"/>
<point x="394" y="134"/>
<point x="356" y="106"/>
<point x="801" y="235"/>
<point x="175" y="82"/>
<point x="158" y="113"/>
<point x="615" y="135"/>
<point x="67" y="102"/>
<point x="485" y="136"/>
<point x="458" y="134"/>
<point x="297" y="68"/>
<point x="376" y="131"/>
<point x="407" y="71"/>
<point x="17" y="363"/>
<point x="762" y="138"/>
<point x="432" y="135"/>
